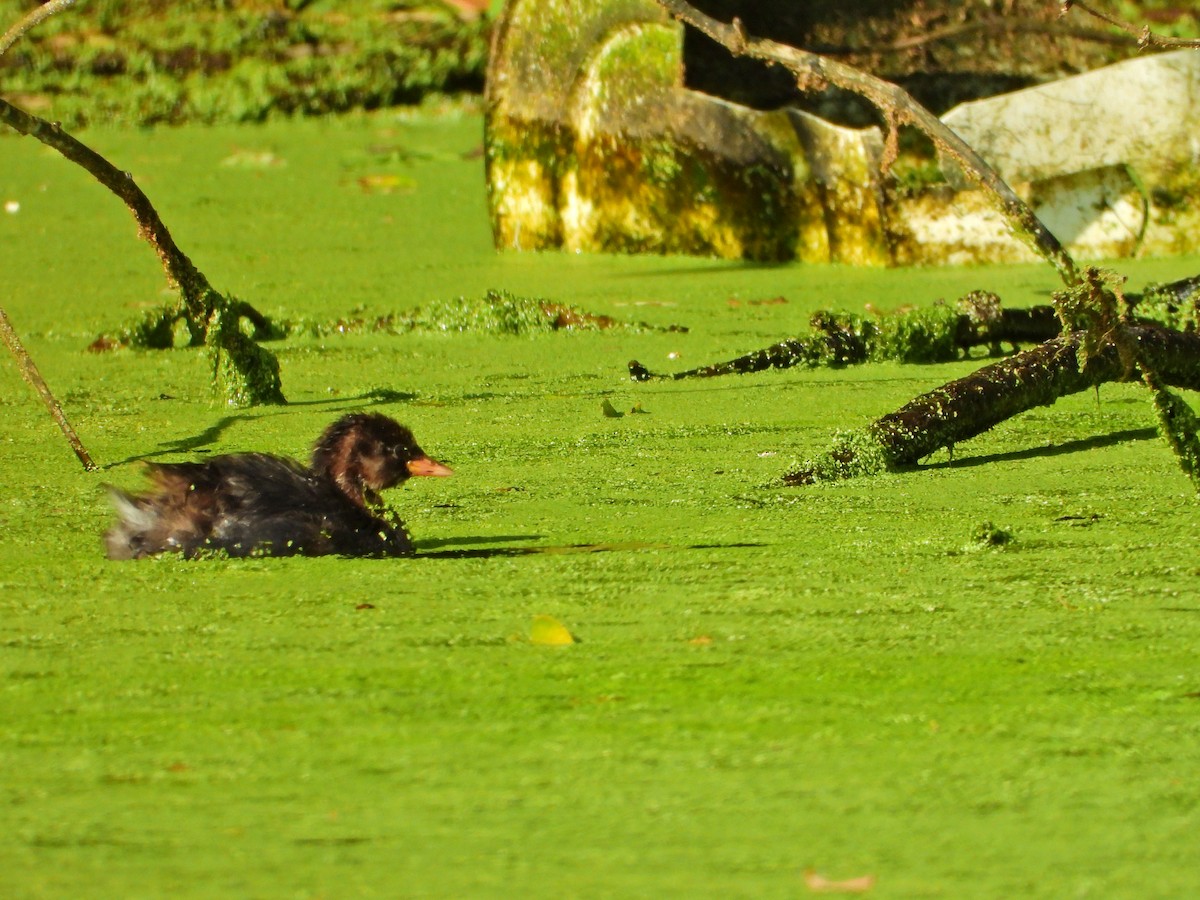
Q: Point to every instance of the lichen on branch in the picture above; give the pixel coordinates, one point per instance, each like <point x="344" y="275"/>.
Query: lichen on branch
<point x="939" y="333"/>
<point x="969" y="406"/>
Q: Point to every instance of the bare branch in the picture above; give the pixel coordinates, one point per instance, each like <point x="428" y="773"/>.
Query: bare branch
<point x="898" y="106"/>
<point x="29" y="371"/>
<point x="1145" y="37"/>
<point x="35" y="17"/>
<point x="997" y="25"/>
<point x="181" y="273"/>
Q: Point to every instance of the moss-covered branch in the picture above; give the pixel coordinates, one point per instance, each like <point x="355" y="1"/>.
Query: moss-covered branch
<point x="969" y="406"/>
<point x="943" y="333"/>
<point x="939" y="333"/>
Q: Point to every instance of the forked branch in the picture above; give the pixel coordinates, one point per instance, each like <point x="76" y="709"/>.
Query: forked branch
<point x="969" y="406"/>
<point x="1145" y="37"/>
<point x="898" y="108"/>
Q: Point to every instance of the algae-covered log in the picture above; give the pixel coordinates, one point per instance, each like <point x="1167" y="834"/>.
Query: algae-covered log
<point x="939" y="333"/>
<point x="970" y="406"/>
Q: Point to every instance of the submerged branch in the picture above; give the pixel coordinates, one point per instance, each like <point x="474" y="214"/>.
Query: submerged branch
<point x="972" y="405"/>
<point x="937" y="334"/>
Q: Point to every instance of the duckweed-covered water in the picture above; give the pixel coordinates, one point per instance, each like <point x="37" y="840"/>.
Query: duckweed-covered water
<point x="767" y="680"/>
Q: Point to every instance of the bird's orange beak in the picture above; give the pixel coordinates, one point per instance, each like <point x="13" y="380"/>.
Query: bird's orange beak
<point x="423" y="465"/>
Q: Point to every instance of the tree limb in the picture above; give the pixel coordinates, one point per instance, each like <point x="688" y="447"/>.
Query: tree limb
<point x="936" y="334"/>
<point x="29" y="371"/>
<point x="899" y="107"/>
<point x="972" y="405"/>
<point x="197" y="294"/>
<point x="32" y="19"/>
<point x="243" y="371"/>
<point x="1145" y="37"/>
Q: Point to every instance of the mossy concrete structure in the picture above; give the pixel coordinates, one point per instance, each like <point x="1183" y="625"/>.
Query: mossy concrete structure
<point x="594" y="143"/>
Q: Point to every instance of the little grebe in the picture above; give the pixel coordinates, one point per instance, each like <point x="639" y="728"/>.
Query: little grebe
<point x="258" y="504"/>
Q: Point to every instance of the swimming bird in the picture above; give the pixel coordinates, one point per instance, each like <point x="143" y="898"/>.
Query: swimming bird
<point x="259" y="504"/>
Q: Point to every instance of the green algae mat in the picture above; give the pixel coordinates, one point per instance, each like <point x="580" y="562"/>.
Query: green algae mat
<point x="770" y="691"/>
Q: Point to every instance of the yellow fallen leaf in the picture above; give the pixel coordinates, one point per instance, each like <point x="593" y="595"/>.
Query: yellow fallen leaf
<point x="610" y="411"/>
<point x="547" y="631"/>
<point x="384" y="184"/>
<point x="820" y="884"/>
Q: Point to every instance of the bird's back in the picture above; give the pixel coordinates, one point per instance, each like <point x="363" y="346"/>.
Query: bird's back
<point x="246" y="504"/>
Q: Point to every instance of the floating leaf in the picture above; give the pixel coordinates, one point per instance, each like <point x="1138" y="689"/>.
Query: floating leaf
<point x="385" y="184"/>
<point x="821" y="884"/>
<point x="245" y="158"/>
<point x="547" y="631"/>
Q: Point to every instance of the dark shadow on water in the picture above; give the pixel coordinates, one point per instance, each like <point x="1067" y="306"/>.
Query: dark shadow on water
<point x="717" y="266"/>
<point x="197" y="442"/>
<point x="439" y="543"/>
<point x="1092" y="443"/>
<point x="370" y="398"/>
<point x="190" y="444"/>
<point x="561" y="550"/>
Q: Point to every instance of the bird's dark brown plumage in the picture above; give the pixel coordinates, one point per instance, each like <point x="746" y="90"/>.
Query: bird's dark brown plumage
<point x="259" y="504"/>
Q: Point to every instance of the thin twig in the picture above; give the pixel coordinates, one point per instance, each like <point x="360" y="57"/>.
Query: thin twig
<point x="901" y="108"/>
<point x="1145" y="37"/>
<point x="999" y="26"/>
<point x="30" y="373"/>
<point x="35" y="17"/>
